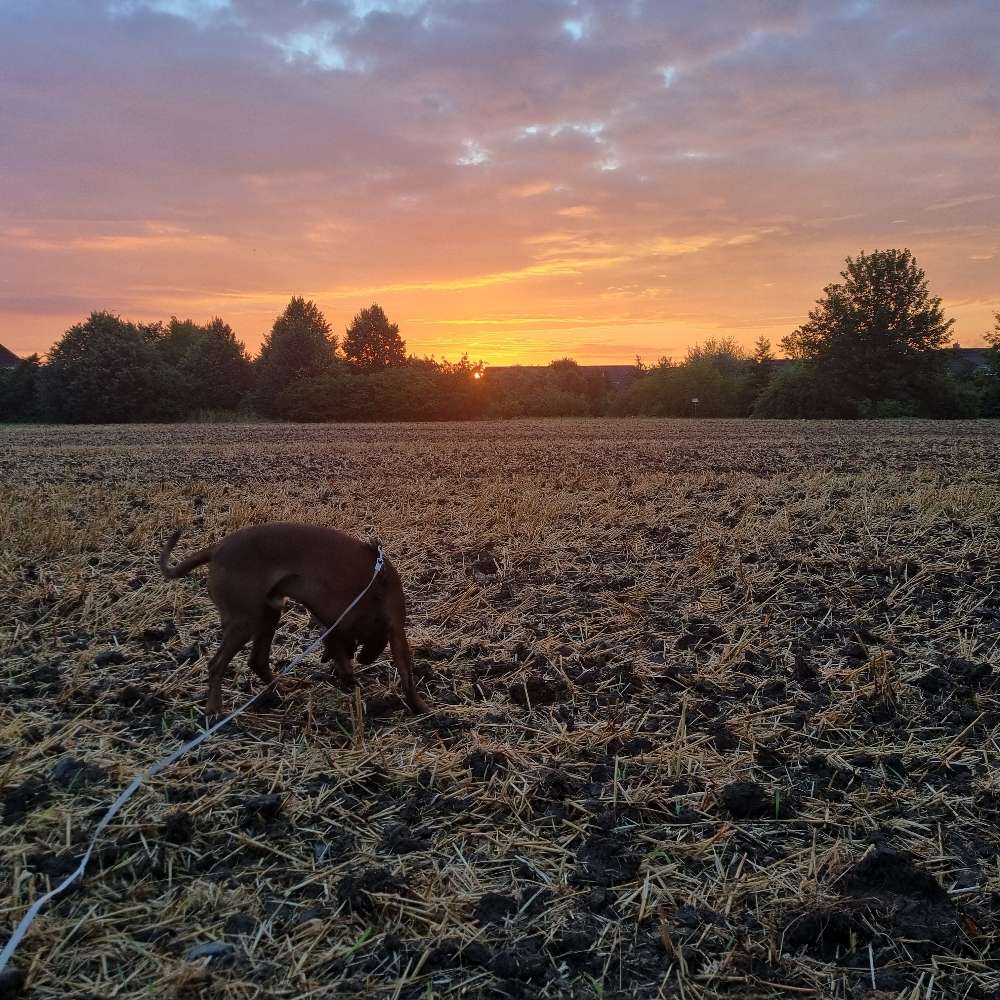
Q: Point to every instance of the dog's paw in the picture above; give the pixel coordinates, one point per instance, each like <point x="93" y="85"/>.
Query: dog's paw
<point x="418" y="706"/>
<point x="346" y="682"/>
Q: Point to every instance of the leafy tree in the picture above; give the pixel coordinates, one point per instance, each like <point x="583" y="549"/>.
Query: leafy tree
<point x="567" y="376"/>
<point x="214" y="369"/>
<point x="461" y="390"/>
<point x="19" y="391"/>
<point x="988" y="382"/>
<point x="422" y="390"/>
<point x="716" y="373"/>
<point x="878" y="334"/>
<point x="563" y="389"/>
<point x="108" y="370"/>
<point x="993" y="339"/>
<point x="720" y="352"/>
<point x="178" y="338"/>
<point x="797" y="391"/>
<point x="762" y="368"/>
<point x="372" y="342"/>
<point x="762" y="353"/>
<point x="300" y="345"/>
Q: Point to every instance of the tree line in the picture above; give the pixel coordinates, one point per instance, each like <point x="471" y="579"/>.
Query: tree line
<point x="875" y="345"/>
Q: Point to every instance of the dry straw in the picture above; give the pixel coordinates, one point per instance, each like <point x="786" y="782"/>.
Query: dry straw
<point x="715" y="715"/>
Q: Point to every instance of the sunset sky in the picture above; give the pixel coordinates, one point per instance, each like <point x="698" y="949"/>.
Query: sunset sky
<point x="521" y="180"/>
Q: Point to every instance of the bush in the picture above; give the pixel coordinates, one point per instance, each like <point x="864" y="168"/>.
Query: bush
<point x="107" y="370"/>
<point x="20" y="392"/>
<point x="422" y="390"/>
<point x="887" y="409"/>
<point x="561" y="390"/>
<point x="718" y="373"/>
<point x="797" y="392"/>
<point x="989" y="396"/>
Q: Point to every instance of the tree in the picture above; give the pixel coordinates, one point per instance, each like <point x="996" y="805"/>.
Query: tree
<point x="993" y="339"/>
<point x="762" y="354"/>
<point x="716" y="373"/>
<point x="988" y="383"/>
<point x="423" y="390"/>
<point x="299" y="346"/>
<point x="108" y="370"/>
<point x="19" y="391"/>
<point x="878" y="334"/>
<point x="214" y="368"/>
<point x="720" y="352"/>
<point x="761" y="371"/>
<point x="461" y="392"/>
<point x="797" y="391"/>
<point x="373" y="342"/>
<point x="178" y="338"/>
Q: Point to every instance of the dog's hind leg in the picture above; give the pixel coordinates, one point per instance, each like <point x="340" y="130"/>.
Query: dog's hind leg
<point x="260" y="654"/>
<point x="403" y="659"/>
<point x="235" y="635"/>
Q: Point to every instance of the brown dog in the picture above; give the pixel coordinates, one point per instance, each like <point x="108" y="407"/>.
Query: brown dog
<point x="255" y="570"/>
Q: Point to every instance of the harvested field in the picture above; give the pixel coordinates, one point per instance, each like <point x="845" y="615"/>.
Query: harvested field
<point x="716" y="713"/>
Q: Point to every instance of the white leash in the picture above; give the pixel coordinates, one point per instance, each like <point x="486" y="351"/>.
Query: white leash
<point x="160" y="765"/>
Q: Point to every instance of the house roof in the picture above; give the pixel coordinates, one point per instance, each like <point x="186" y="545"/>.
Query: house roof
<point x="960" y="360"/>
<point x="615" y="374"/>
<point x="8" y="359"/>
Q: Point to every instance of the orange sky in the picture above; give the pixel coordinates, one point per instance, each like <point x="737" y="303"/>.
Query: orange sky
<point x="519" y="181"/>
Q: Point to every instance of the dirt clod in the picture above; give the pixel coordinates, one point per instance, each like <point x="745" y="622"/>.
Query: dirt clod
<point x="747" y="800"/>
<point x="11" y="983"/>
<point x="240" y="923"/>
<point x="20" y="800"/>
<point x="537" y="691"/>
<point x="495" y="908"/>
<point x="263" y="807"/>
<point x="912" y="900"/>
<point x="824" y="934"/>
<point x="178" y="827"/>
<point x="71" y="773"/>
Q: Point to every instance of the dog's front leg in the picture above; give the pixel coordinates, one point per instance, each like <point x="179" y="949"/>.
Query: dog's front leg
<point x="343" y="664"/>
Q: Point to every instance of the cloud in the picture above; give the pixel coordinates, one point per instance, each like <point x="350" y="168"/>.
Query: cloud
<point x="148" y="236"/>
<point x="585" y="155"/>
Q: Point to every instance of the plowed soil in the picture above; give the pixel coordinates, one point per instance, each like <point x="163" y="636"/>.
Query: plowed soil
<point x="716" y="713"/>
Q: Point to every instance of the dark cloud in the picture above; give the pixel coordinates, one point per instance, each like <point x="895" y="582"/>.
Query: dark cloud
<point x="655" y="172"/>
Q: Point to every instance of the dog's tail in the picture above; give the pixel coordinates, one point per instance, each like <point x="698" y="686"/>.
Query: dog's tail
<point x="186" y="565"/>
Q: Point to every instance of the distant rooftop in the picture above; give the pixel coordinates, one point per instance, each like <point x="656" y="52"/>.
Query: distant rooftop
<point x="961" y="361"/>
<point x="615" y="374"/>
<point x="8" y="359"/>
